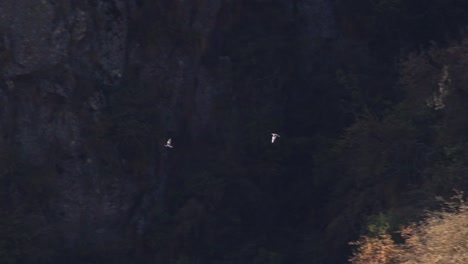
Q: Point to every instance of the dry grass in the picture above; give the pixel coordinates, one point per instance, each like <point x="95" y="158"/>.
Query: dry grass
<point x="441" y="238"/>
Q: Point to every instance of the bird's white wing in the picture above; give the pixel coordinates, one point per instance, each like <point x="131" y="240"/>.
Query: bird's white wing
<point x="169" y="141"/>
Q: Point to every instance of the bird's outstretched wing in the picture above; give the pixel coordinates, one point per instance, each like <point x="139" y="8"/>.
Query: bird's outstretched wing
<point x="168" y="143"/>
<point x="273" y="137"/>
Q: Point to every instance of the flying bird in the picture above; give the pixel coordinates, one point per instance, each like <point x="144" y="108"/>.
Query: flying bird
<point x="168" y="143"/>
<point x="273" y="137"/>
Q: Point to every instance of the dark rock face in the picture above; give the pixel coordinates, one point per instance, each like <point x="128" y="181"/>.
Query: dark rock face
<point x="59" y="59"/>
<point x="90" y="91"/>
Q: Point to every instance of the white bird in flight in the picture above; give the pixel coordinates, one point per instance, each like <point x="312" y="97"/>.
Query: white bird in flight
<point x="168" y="143"/>
<point x="273" y="137"/>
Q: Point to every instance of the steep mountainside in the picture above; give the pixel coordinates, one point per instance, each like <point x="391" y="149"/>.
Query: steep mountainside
<point x="91" y="90"/>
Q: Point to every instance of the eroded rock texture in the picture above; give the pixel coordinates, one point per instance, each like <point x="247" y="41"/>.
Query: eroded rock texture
<point x="90" y="91"/>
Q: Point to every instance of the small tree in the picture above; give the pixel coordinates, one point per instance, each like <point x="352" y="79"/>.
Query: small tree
<point x="376" y="250"/>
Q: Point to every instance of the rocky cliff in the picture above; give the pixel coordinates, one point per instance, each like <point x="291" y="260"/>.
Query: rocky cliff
<point x="91" y="90"/>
